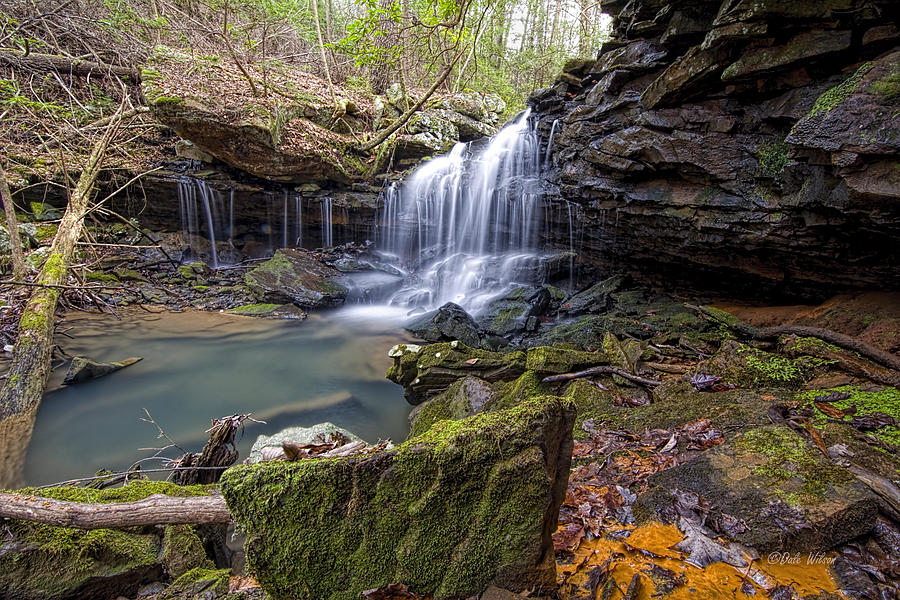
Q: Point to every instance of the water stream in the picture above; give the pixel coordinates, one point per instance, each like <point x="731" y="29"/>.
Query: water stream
<point x="200" y="365"/>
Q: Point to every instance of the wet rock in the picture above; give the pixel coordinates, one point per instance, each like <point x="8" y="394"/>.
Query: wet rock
<point x="297" y="435"/>
<point x="595" y="299"/>
<point x="447" y="513"/>
<point x="468" y="396"/>
<point x="803" y="46"/>
<point x="788" y="495"/>
<point x="268" y="311"/>
<point x="854" y="116"/>
<point x="425" y="371"/>
<point x="82" y="369"/>
<point x="296" y="276"/>
<point x="451" y="322"/>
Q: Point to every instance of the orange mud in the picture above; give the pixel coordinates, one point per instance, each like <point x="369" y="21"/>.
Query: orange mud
<point x="808" y="574"/>
<point x="872" y="317"/>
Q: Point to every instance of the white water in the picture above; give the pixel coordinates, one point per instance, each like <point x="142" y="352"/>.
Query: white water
<point x="210" y="212"/>
<point x="465" y="226"/>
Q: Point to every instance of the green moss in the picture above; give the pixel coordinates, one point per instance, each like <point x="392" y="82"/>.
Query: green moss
<point x="787" y="455"/>
<point x="183" y="550"/>
<point x="102" y="277"/>
<point x="199" y="580"/>
<point x="439" y="513"/>
<point x="765" y="368"/>
<point x="160" y="100"/>
<point x="553" y="359"/>
<point x="886" y="401"/>
<point x="888" y="88"/>
<point x="507" y="316"/>
<point x="833" y="97"/>
<point x="773" y="157"/>
<point x="46" y="231"/>
<point x="253" y="309"/>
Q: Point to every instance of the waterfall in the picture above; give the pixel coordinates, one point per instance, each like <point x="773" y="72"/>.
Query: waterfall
<point x="326" y="222"/>
<point x="550" y="143"/>
<point x="195" y="194"/>
<point x="466" y="224"/>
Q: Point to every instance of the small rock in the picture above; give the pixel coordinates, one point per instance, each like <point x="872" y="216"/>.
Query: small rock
<point x="83" y="368"/>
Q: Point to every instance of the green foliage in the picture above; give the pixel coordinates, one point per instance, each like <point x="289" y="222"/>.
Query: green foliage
<point x="367" y="37"/>
<point x="885" y="401"/>
<point x="773" y="157"/>
<point x="11" y="96"/>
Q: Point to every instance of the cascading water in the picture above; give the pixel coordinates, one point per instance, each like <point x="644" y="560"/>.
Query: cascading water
<point x="194" y="195"/>
<point x="465" y="225"/>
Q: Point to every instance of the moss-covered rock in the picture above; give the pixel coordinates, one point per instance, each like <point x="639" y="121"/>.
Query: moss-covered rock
<point x="789" y="496"/>
<point x="268" y="311"/>
<point x="42" y="562"/>
<point x="425" y="371"/>
<point x="467" y="504"/>
<point x="451" y="322"/>
<point x="745" y="365"/>
<point x="295" y="276"/>
<point x="201" y="583"/>
<point x="183" y="550"/>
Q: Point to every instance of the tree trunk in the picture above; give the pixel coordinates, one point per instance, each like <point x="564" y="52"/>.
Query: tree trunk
<point x="48" y="62"/>
<point x="30" y="366"/>
<point x="154" y="510"/>
<point x="315" y="4"/>
<point x="12" y="225"/>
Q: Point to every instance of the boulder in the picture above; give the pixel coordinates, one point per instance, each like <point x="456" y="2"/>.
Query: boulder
<point x="82" y="369"/>
<point x="802" y="47"/>
<point x="595" y="299"/>
<point x="771" y="490"/>
<point x="296" y="276"/>
<point x="466" y="505"/>
<point x="451" y="322"/>
<point x="297" y="435"/>
<point x="425" y="371"/>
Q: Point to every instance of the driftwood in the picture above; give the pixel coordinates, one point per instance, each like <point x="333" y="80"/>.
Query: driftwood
<point x="603" y="370"/>
<point x="884" y="488"/>
<point x="219" y="451"/>
<point x="49" y="62"/>
<point x="832" y="337"/>
<point x="154" y="510"/>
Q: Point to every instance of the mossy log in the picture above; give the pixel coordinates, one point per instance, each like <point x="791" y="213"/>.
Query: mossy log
<point x="30" y="367"/>
<point x="48" y="62"/>
<point x="157" y="509"/>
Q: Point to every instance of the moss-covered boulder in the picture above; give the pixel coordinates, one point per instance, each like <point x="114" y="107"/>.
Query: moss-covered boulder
<point x="42" y="562"/>
<point x="468" y="396"/>
<point x="783" y="493"/>
<point x="296" y="276"/>
<point x="425" y="371"/>
<point x="467" y="504"/>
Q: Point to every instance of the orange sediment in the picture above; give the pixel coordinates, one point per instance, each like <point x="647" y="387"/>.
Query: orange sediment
<point x="652" y="545"/>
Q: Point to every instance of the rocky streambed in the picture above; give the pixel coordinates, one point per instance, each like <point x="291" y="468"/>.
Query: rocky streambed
<point x="561" y="443"/>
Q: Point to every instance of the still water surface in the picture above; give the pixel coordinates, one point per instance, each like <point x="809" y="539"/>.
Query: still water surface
<point x="200" y="365"/>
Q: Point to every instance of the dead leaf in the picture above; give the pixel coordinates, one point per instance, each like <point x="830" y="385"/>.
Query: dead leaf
<point x="568" y="538"/>
<point x="703" y="550"/>
<point x="830" y="411"/>
<point x="472" y="361"/>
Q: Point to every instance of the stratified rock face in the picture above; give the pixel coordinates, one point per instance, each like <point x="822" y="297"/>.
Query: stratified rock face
<point x="296" y="276"/>
<point x="736" y="143"/>
<point x="466" y="505"/>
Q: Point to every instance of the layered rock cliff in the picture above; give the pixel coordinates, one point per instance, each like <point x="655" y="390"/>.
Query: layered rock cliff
<point x="737" y="145"/>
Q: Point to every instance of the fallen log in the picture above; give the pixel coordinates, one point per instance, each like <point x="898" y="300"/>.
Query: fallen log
<point x="602" y="370"/>
<point x="153" y="510"/>
<point x="832" y="337"/>
<point x="76" y="66"/>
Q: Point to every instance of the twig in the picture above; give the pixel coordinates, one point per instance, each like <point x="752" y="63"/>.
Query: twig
<point x="130" y="472"/>
<point x="601" y="370"/>
<point x="64" y="287"/>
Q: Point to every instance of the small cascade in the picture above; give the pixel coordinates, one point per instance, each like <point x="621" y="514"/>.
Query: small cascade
<point x="550" y="143"/>
<point x="326" y="222"/>
<point x="466" y="225"/>
<point x="195" y="195"/>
